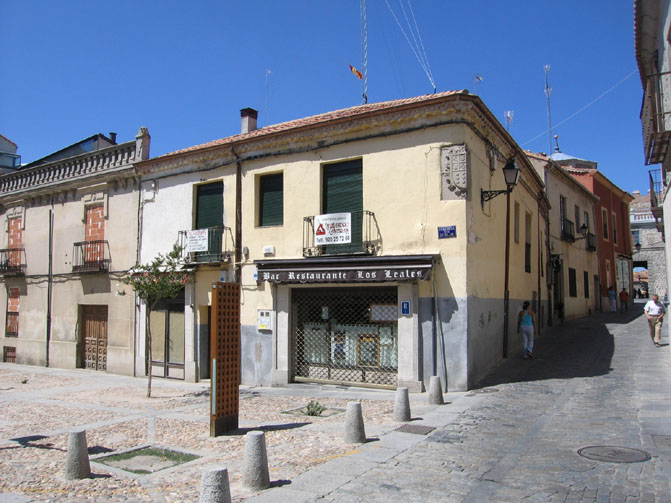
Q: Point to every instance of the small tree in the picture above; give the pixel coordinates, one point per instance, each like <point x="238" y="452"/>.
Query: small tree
<point x="153" y="282"/>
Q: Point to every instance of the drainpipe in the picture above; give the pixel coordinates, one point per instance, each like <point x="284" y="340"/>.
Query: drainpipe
<point x="238" y="216"/>
<point x="50" y="279"/>
<point x="506" y="294"/>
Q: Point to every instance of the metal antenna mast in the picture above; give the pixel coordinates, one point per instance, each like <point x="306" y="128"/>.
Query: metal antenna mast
<point x="508" y="115"/>
<point x="364" y="53"/>
<point x="548" y="92"/>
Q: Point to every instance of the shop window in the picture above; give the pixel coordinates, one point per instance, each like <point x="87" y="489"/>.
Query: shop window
<point x="271" y="200"/>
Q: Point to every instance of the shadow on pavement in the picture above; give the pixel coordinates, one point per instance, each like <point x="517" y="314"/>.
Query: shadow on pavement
<point x="582" y="347"/>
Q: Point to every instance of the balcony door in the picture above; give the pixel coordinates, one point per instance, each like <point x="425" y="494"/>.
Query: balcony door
<point x="343" y="193"/>
<point x="210" y="215"/>
<point x="167" y="338"/>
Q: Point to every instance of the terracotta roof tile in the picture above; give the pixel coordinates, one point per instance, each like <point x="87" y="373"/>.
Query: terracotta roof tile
<point x="316" y="120"/>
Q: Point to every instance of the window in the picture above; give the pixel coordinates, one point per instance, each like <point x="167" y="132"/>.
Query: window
<point x="636" y="236"/>
<point x="572" y="287"/>
<point x="604" y="218"/>
<point x="585" y="279"/>
<point x="527" y="241"/>
<point x="271" y="200"/>
<point x="614" y="228"/>
<point x="516" y="225"/>
<point x="577" y="218"/>
<point x="12" y="324"/>
<point x="562" y="211"/>
<point x="586" y="221"/>
<point x="342" y="192"/>
<point x="210" y="205"/>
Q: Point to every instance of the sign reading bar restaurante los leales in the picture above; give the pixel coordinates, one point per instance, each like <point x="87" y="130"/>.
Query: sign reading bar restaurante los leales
<point x="334" y="228"/>
<point x="354" y="275"/>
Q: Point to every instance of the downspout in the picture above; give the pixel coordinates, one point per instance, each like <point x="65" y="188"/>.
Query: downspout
<point x="50" y="277"/>
<point x="238" y="216"/>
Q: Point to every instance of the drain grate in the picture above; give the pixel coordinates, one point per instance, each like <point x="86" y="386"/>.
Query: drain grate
<point x="146" y="460"/>
<point x="417" y="429"/>
<point x="662" y="441"/>
<point x="613" y="454"/>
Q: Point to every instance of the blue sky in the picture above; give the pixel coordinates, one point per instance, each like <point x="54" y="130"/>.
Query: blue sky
<point x="185" y="69"/>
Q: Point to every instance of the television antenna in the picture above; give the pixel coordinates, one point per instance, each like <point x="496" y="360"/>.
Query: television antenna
<point x="508" y="116"/>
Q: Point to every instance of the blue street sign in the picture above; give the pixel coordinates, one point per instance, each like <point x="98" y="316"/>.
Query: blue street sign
<point x="405" y="307"/>
<point x="447" y="232"/>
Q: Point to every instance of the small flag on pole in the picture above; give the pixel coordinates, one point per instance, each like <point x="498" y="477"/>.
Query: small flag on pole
<point x="356" y="72"/>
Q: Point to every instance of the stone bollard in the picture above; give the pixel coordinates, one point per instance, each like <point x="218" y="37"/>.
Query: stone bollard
<point x="214" y="486"/>
<point x="402" y="406"/>
<point x="354" y="429"/>
<point x="255" y="466"/>
<point x="435" y="391"/>
<point x="77" y="462"/>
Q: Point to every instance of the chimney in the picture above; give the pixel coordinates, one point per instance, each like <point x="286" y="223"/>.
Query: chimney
<point x="113" y="137"/>
<point x="248" y="123"/>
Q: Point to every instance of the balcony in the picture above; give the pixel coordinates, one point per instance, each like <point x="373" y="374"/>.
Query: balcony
<point x="91" y="257"/>
<point x="590" y="242"/>
<point x="656" y="135"/>
<point x="213" y="245"/>
<point x="568" y="231"/>
<point x="12" y="261"/>
<point x="364" y="237"/>
<point x="656" y="196"/>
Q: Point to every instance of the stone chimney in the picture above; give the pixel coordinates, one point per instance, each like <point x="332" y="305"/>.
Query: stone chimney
<point x="142" y="140"/>
<point x="248" y="122"/>
<point x="113" y="137"/>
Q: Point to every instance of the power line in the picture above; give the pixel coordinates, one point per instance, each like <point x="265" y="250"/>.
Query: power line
<point x="609" y="90"/>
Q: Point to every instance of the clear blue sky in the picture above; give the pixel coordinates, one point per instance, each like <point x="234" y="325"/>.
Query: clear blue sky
<point x="184" y="69"/>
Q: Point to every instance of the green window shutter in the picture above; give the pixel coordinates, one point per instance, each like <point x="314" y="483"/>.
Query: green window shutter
<point x="343" y="187"/>
<point x="210" y="205"/>
<point x="271" y="200"/>
<point x="343" y="193"/>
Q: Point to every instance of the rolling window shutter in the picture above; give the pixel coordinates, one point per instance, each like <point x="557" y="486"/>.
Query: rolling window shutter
<point x="210" y="205"/>
<point x="271" y="200"/>
<point x="343" y="187"/>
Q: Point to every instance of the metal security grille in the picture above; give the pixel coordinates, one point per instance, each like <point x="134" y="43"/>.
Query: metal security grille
<point x="346" y="336"/>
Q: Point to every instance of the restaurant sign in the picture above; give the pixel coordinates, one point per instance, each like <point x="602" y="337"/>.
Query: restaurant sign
<point x="334" y="228"/>
<point x="346" y="275"/>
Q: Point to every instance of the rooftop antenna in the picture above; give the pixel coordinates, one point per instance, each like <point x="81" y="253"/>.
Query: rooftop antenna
<point x="508" y="115"/>
<point x="267" y="74"/>
<point x="364" y="53"/>
<point x="476" y="79"/>
<point x="548" y="92"/>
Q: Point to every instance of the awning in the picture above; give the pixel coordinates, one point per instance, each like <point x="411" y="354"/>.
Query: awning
<point x="405" y="268"/>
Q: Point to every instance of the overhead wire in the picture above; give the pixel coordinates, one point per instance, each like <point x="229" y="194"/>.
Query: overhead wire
<point x="609" y="90"/>
<point x="415" y="48"/>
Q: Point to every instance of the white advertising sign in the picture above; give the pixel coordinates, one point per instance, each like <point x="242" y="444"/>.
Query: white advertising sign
<point x="334" y="228"/>
<point x="196" y="241"/>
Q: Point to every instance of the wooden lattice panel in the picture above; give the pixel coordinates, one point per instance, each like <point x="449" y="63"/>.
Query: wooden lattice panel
<point x="225" y="347"/>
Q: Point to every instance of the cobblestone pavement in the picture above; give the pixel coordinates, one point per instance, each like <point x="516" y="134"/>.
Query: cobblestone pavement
<point x="598" y="381"/>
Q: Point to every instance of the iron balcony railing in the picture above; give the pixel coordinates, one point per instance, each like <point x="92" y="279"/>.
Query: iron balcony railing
<point x="654" y="118"/>
<point x="91" y="256"/>
<point x="12" y="261"/>
<point x="590" y="242"/>
<point x="364" y="232"/>
<point x="212" y="245"/>
<point x="567" y="230"/>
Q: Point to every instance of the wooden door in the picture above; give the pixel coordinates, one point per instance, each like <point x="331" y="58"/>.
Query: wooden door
<point x="94" y="326"/>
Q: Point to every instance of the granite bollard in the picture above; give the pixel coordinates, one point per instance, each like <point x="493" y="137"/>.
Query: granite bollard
<point x="255" y="465"/>
<point x="214" y="486"/>
<point x="354" y="428"/>
<point x="435" y="391"/>
<point x="402" y="406"/>
<point x="77" y="464"/>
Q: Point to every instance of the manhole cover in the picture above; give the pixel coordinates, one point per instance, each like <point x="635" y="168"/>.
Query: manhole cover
<point x="612" y="454"/>
<point x="486" y="390"/>
<point x="417" y="429"/>
<point x="662" y="441"/>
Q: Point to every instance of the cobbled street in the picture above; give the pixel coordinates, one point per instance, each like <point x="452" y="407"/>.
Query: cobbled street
<point x="594" y="382"/>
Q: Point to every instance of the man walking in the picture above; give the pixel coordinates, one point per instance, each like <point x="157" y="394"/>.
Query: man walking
<point x="624" y="298"/>
<point x="654" y="311"/>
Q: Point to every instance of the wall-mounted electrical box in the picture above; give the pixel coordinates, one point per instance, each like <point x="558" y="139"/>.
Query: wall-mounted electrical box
<point x="264" y="319"/>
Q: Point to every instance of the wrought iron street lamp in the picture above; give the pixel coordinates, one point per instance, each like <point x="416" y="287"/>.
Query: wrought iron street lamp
<point x="637" y="246"/>
<point x="511" y="174"/>
<point x="583" y="232"/>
